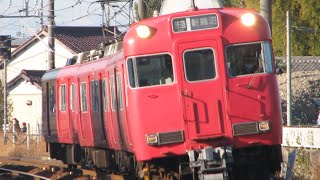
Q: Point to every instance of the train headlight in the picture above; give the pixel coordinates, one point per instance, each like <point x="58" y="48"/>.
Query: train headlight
<point x="248" y="19"/>
<point x="143" y="31"/>
<point x="152" y="139"/>
<point x="264" y="126"/>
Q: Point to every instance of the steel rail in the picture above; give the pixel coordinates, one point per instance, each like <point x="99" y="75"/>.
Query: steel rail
<point x="24" y="173"/>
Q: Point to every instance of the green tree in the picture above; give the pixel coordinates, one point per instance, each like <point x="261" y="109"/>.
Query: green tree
<point x="151" y="6"/>
<point x="305" y="21"/>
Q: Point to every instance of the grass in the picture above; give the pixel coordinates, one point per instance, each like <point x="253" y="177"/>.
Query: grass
<point x="307" y="164"/>
<point x="36" y="149"/>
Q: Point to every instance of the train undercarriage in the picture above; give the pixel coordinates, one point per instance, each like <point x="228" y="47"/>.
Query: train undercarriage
<point x="261" y="162"/>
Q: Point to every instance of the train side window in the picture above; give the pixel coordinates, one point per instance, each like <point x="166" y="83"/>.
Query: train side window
<point x="62" y="97"/>
<point x="246" y="59"/>
<point x="199" y="65"/>
<point x="72" y="93"/>
<point x="75" y="98"/>
<point x="113" y="93"/>
<point x="105" y="95"/>
<point x="150" y="70"/>
<point x="119" y="91"/>
<point x="52" y="97"/>
<point x="83" y="97"/>
<point x="95" y="95"/>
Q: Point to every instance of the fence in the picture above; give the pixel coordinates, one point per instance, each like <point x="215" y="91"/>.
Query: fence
<point x="17" y="138"/>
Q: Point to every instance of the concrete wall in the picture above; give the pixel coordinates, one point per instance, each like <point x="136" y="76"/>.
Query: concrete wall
<point x="307" y="137"/>
<point x="35" y="58"/>
<point x="21" y="93"/>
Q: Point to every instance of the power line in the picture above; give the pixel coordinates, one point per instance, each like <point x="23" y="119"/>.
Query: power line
<point x="9" y="24"/>
<point x="7" y="7"/>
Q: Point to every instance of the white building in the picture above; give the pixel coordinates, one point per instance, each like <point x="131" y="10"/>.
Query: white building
<point x="29" y="62"/>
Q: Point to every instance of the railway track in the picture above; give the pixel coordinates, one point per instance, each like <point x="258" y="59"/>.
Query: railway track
<point x="46" y="168"/>
<point x="26" y="168"/>
<point x="4" y="172"/>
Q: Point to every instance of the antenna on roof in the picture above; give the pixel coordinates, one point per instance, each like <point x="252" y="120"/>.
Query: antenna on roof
<point x="193" y="6"/>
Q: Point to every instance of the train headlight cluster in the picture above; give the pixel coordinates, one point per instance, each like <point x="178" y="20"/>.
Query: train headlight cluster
<point x="264" y="126"/>
<point x="248" y="19"/>
<point x="143" y="31"/>
<point x="152" y="139"/>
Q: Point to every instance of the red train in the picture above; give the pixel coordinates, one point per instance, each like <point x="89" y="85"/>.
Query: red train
<point x="190" y="94"/>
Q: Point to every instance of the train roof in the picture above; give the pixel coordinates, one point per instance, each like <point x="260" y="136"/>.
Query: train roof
<point x="50" y="75"/>
<point x="226" y="24"/>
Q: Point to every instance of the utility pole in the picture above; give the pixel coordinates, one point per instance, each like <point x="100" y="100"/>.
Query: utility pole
<point x="25" y="4"/>
<point x="5" y="54"/>
<point x="288" y="70"/>
<point x="41" y="14"/>
<point x="5" y="118"/>
<point x="51" y="25"/>
<point x="266" y="11"/>
<point x="142" y="7"/>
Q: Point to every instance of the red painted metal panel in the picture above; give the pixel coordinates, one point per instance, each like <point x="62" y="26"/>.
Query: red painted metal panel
<point x="202" y="99"/>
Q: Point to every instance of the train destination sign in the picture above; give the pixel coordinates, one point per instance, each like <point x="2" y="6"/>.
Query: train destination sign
<point x="192" y="23"/>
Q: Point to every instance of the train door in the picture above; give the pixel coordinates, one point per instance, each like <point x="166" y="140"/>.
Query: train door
<point x="202" y="90"/>
<point x="85" y="123"/>
<point x="117" y="107"/>
<point x="96" y="113"/>
<point x="73" y="110"/>
<point x="106" y="109"/>
<point x="64" y="124"/>
<point x="49" y="100"/>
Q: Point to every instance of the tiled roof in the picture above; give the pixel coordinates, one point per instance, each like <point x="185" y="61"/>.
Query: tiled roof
<point x="81" y="39"/>
<point x="302" y="63"/>
<point x="76" y="38"/>
<point x="33" y="76"/>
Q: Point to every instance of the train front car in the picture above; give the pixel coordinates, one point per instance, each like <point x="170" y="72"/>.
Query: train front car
<point x="203" y="97"/>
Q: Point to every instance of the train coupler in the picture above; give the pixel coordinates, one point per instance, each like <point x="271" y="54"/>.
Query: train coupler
<point x="210" y="163"/>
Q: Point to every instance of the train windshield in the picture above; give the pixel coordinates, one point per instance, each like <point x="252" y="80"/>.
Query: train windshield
<point x="150" y="70"/>
<point x="246" y="59"/>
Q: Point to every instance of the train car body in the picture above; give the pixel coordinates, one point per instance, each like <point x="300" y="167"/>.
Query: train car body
<point x="197" y="94"/>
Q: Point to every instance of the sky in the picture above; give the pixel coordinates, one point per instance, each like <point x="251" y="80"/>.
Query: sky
<point x="67" y="13"/>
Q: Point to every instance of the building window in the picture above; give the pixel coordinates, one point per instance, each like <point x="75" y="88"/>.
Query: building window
<point x="199" y="65"/>
<point x="83" y="97"/>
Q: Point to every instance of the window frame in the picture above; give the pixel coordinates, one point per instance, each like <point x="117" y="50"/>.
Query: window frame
<point x="82" y="105"/>
<point x="62" y="98"/>
<point x="134" y="71"/>
<point x="52" y="97"/>
<point x="72" y="94"/>
<point x="105" y="98"/>
<point x="214" y="63"/>
<point x="94" y="95"/>
<point x="263" y="53"/>
<point x="113" y="95"/>
<point x="119" y="91"/>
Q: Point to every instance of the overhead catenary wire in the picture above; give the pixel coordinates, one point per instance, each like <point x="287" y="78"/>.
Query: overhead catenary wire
<point x="9" y="5"/>
<point x="36" y="9"/>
